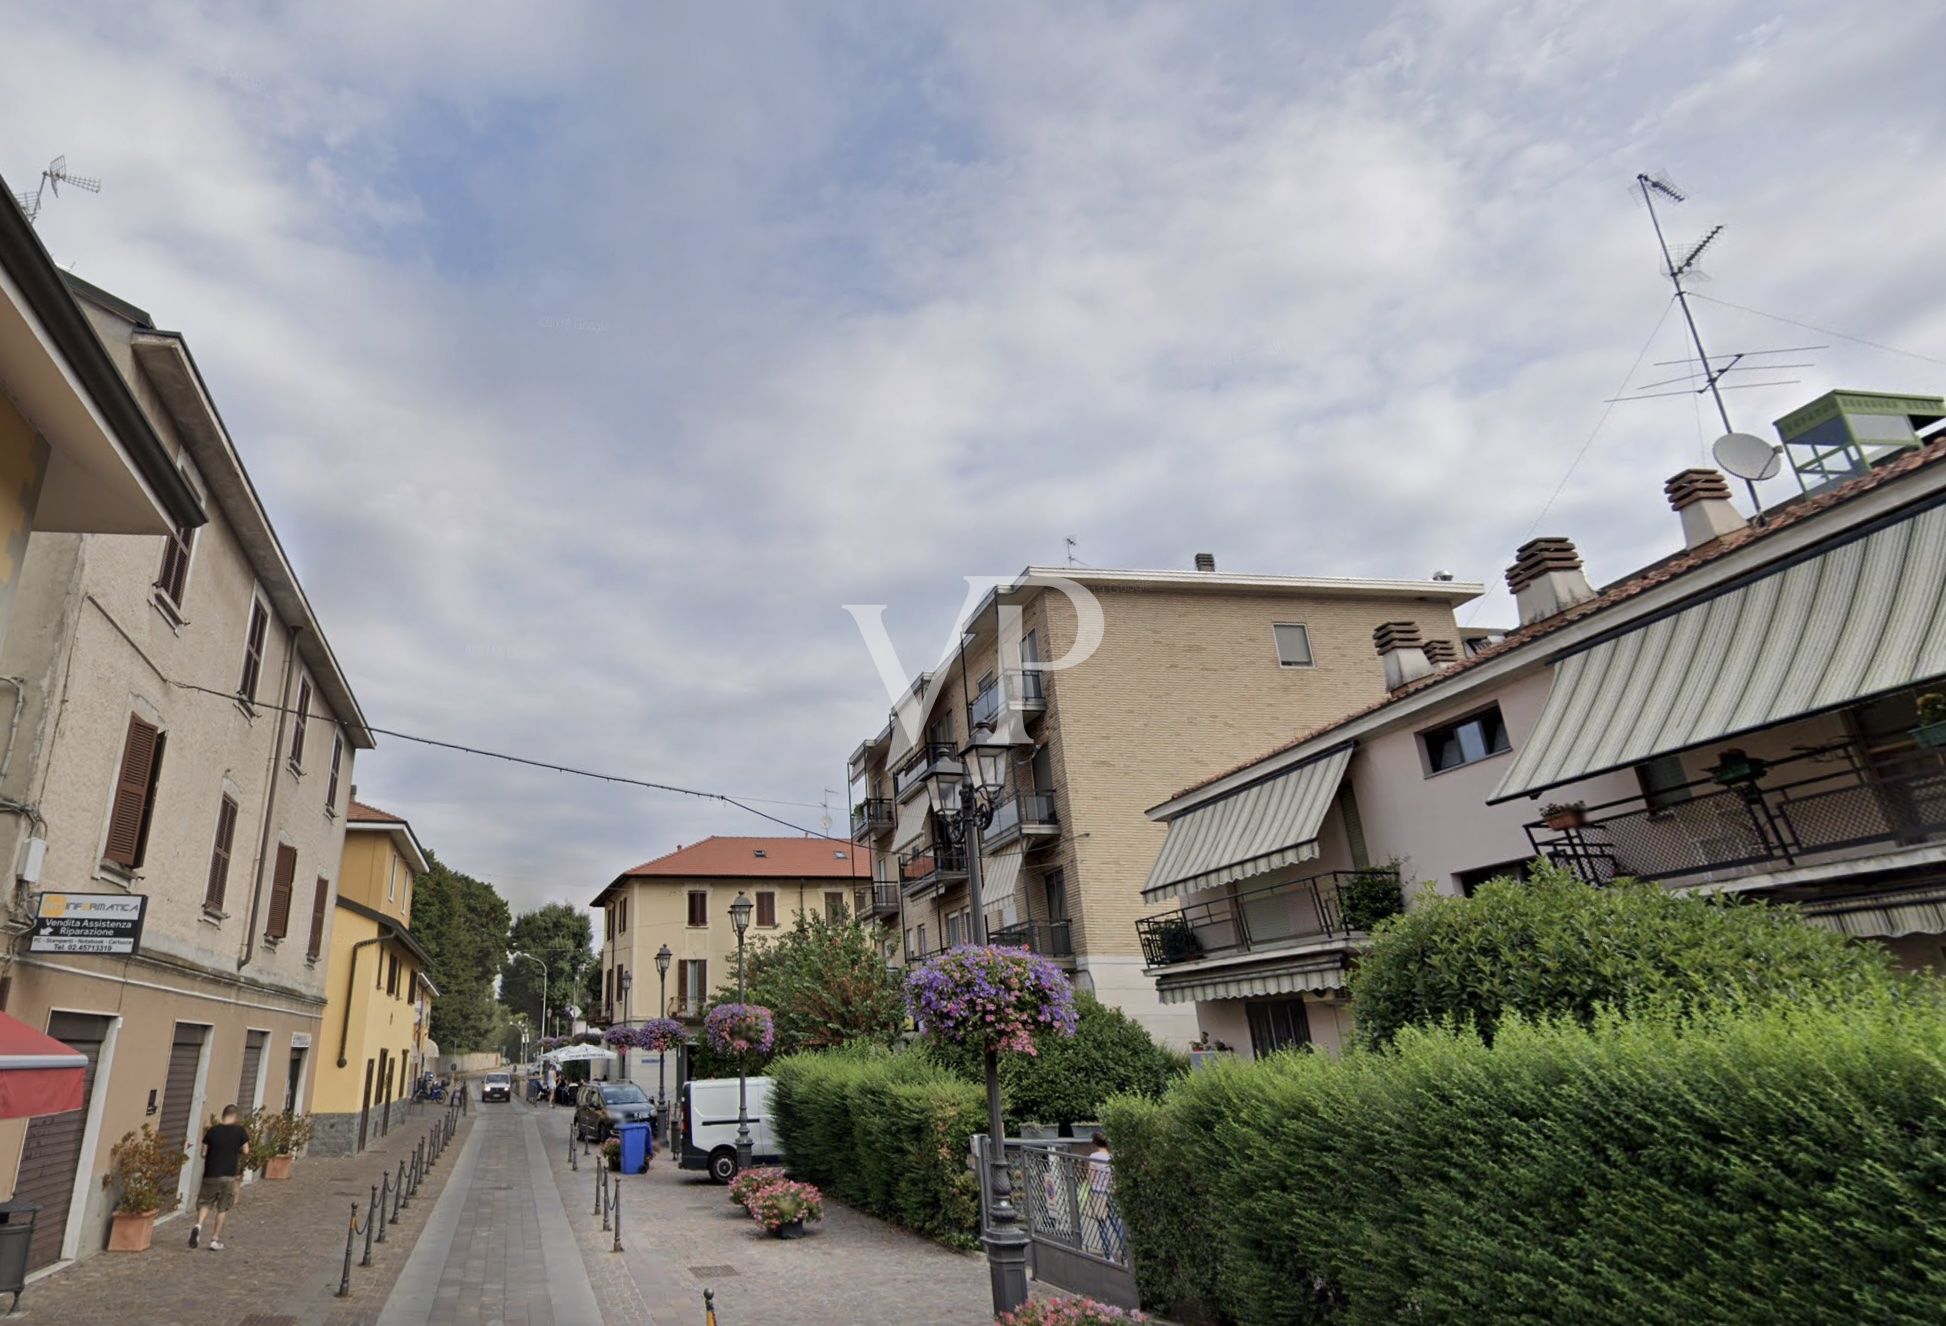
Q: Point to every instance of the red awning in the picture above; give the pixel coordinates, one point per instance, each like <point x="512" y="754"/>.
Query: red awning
<point x="38" y="1074"/>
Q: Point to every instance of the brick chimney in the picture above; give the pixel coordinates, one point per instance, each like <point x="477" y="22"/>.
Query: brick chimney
<point x="1702" y="499"/>
<point x="1205" y="561"/>
<point x="1403" y="653"/>
<point x="1547" y="578"/>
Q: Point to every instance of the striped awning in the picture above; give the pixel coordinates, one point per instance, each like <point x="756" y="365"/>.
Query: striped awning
<point x="911" y="824"/>
<point x="1919" y="911"/>
<point x="1258" y="828"/>
<point x="1835" y="626"/>
<point x="1325" y="973"/>
<point x="1000" y="880"/>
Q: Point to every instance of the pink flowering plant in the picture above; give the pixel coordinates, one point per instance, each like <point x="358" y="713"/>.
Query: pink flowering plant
<point x="659" y="1034"/>
<point x="1067" y="1312"/>
<point x="745" y="1186"/>
<point x="619" y="1037"/>
<point x="986" y="997"/>
<point x="783" y="1202"/>
<point x="740" y="1029"/>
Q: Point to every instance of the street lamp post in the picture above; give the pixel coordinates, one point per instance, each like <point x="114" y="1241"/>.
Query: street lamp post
<point x="517" y="953"/>
<point x="627" y="983"/>
<point x="740" y="921"/>
<point x="983" y="768"/>
<point x="662" y="956"/>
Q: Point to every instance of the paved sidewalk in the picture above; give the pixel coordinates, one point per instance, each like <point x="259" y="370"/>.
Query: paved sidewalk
<point x="282" y="1257"/>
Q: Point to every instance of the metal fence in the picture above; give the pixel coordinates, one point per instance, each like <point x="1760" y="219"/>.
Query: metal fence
<point x="1066" y="1204"/>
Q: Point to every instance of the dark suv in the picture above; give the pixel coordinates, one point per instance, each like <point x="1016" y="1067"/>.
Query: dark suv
<point x="602" y="1105"/>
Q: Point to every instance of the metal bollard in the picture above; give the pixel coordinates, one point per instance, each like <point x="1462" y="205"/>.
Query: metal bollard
<point x="618" y="1219"/>
<point x="606" y="1184"/>
<point x="709" y="1307"/>
<point x="398" y="1194"/>
<point x="370" y="1207"/>
<point x="384" y="1196"/>
<point x="598" y="1173"/>
<point x="573" y="1162"/>
<point x="351" y="1232"/>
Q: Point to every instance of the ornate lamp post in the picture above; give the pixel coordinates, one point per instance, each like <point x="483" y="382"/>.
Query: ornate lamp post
<point x="627" y="983"/>
<point x="983" y="771"/>
<point x="543" y="966"/>
<point x="662" y="956"/>
<point x="740" y="921"/>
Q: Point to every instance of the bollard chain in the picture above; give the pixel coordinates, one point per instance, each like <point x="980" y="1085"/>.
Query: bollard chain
<point x="351" y="1233"/>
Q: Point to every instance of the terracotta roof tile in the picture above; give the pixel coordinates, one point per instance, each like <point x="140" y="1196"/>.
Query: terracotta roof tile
<point x="754" y="858"/>
<point x="361" y="812"/>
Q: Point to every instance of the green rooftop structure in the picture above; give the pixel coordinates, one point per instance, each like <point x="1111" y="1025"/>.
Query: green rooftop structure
<point x="1844" y="433"/>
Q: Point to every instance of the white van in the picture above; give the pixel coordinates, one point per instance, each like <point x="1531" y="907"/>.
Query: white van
<point x="708" y="1129"/>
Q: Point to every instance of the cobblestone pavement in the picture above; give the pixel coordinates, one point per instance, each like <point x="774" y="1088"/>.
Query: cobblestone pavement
<point x="680" y="1234"/>
<point x="282" y="1257"/>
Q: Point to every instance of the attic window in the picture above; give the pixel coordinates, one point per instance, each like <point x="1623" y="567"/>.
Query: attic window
<point x="760" y="851"/>
<point x="839" y="855"/>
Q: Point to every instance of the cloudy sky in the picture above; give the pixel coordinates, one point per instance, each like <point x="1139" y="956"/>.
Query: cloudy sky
<point x="590" y="358"/>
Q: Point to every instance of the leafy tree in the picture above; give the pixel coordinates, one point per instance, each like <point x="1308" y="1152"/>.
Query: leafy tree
<point x="825" y="981"/>
<point x="1555" y="946"/>
<point x="462" y="922"/>
<point x="591" y="992"/>
<point x="560" y="936"/>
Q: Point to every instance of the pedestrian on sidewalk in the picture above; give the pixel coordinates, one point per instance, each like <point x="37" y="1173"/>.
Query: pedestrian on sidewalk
<point x="225" y="1146"/>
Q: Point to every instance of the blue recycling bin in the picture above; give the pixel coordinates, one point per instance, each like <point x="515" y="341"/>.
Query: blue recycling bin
<point x="635" y="1147"/>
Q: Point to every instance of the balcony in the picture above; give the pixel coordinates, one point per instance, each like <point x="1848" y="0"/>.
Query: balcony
<point x="1335" y="905"/>
<point x="1025" y="814"/>
<point x="930" y="757"/>
<point x="1020" y="690"/>
<point x="1050" y="939"/>
<point x="871" y="817"/>
<point x="881" y="899"/>
<point x="1827" y="807"/>
<point x="926" y="867"/>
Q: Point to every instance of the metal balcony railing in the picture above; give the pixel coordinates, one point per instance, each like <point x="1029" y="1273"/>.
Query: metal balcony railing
<point x="1336" y="903"/>
<point x="1020" y="688"/>
<point x="930" y="864"/>
<point x="930" y="755"/>
<point x="870" y="816"/>
<point x="885" y="898"/>
<point x="1023" y="812"/>
<point x="1823" y="805"/>
<point x="1050" y="939"/>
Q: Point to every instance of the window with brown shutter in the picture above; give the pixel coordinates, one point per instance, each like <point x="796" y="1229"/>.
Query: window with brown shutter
<point x="253" y="651"/>
<point x="318" y="903"/>
<point x="219" y="857"/>
<point x="128" y="821"/>
<point x="621" y="918"/>
<point x="297" y="728"/>
<point x="699" y="909"/>
<point x="766" y="909"/>
<point x="279" y="923"/>
<point x="337" y="756"/>
<point x="834" y="906"/>
<point x="174" y="576"/>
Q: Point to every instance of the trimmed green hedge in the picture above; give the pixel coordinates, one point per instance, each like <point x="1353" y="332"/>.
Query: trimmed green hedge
<point x="1774" y="1164"/>
<point x="888" y="1133"/>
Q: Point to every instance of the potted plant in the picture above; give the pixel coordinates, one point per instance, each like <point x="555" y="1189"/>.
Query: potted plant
<point x="784" y="1207"/>
<point x="1204" y="1050"/>
<point x="612" y="1148"/>
<point x="990" y="999"/>
<point x="1176" y="938"/>
<point x="1068" y="1312"/>
<point x="744" y="1187"/>
<point x="1932" y="720"/>
<point x="1734" y="768"/>
<point x="740" y="1029"/>
<point x="144" y="1169"/>
<point x="1563" y="815"/>
<point x="275" y="1140"/>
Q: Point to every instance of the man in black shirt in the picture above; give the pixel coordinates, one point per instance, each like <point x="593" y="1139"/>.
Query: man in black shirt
<point x="224" y="1147"/>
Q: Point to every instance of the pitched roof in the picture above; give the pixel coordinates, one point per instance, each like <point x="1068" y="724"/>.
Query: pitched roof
<point x="1650" y="577"/>
<point x="753" y="858"/>
<point x="361" y="815"/>
<point x="362" y="812"/>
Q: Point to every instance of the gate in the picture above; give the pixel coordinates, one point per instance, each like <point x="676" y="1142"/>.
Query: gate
<point x="1066" y="1204"/>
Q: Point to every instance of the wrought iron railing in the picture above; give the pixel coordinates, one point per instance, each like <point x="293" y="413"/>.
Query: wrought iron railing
<point x="1021" y="812"/>
<point x="872" y="815"/>
<point x="885" y="898"/>
<point x="1276" y="916"/>
<point x="1827" y="803"/>
<point x="1065" y="1202"/>
<point x="1050" y="939"/>
<point x="930" y="755"/>
<point x="929" y="863"/>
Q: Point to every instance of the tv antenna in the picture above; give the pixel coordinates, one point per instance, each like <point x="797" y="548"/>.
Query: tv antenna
<point x="1071" y="547"/>
<point x="52" y="179"/>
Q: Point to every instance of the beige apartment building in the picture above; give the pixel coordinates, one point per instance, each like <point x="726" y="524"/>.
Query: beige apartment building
<point x="1739" y="718"/>
<point x="183" y="741"/>
<point x="1106" y="684"/>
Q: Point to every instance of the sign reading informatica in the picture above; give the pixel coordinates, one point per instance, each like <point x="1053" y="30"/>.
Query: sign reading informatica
<point x="108" y="924"/>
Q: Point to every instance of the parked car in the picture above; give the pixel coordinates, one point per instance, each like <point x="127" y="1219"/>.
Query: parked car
<point x="708" y="1130"/>
<point x="599" y="1106"/>
<point x="497" y="1086"/>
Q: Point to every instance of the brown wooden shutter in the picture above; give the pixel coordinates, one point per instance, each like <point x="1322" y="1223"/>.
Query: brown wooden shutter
<point x="297" y="729"/>
<point x="141" y="754"/>
<point x="219" y="859"/>
<point x="766" y="909"/>
<point x="337" y="756"/>
<point x="318" y="905"/>
<point x="174" y="575"/>
<point x="279" y="923"/>
<point x="253" y="650"/>
<point x="699" y="909"/>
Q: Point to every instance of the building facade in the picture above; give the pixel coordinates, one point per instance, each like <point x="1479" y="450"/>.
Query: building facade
<point x="376" y="987"/>
<point x="1740" y="718"/>
<point x="183" y="736"/>
<point x="1105" y="685"/>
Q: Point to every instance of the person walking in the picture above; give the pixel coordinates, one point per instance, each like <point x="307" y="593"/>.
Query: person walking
<point x="1101" y="1200"/>
<point x="225" y="1147"/>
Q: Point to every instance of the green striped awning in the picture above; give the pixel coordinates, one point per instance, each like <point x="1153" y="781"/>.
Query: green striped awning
<point x="1888" y="915"/>
<point x="1835" y="626"/>
<point x="1258" y="828"/>
<point x="1322" y="973"/>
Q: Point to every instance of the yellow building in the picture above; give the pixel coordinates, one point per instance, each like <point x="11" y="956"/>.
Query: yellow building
<point x="376" y="987"/>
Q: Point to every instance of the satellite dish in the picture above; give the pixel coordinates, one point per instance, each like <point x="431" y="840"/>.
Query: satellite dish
<point x="1747" y="456"/>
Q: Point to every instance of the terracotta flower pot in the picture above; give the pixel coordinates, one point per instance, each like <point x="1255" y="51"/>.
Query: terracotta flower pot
<point x="278" y="1167"/>
<point x="131" y="1231"/>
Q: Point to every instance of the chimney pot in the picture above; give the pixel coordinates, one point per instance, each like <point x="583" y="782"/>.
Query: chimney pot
<point x="1547" y="578"/>
<point x="1205" y="561"/>
<point x="1401" y="649"/>
<point x="1702" y="498"/>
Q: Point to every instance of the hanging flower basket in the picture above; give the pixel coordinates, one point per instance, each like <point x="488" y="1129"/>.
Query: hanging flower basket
<point x="740" y="1029"/>
<point x="990" y="998"/>
<point x="619" y="1038"/>
<point x="659" y="1035"/>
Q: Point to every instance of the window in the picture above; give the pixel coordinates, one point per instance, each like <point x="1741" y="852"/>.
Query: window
<point x="766" y="908"/>
<point x="920" y="952"/>
<point x="1663" y="782"/>
<point x="392" y="975"/>
<point x="219" y="857"/>
<point x="622" y="923"/>
<point x="834" y="907"/>
<point x="253" y="651"/>
<point x="608" y="988"/>
<point x="699" y="909"/>
<point x="134" y="804"/>
<point x="1293" y="645"/>
<point x="174" y="576"/>
<point x="1279" y="1026"/>
<point x="1464" y="742"/>
<point x="331" y="789"/>
<point x="278" y="924"/>
<point x="1469" y="881"/>
<point x="609" y="911"/>
<point x="693" y="977"/>
<point x="1057" y="896"/>
<point x="319" y="901"/>
<point x="297" y="728"/>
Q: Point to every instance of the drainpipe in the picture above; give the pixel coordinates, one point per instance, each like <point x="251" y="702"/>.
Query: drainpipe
<point x="351" y="992"/>
<point x="270" y="801"/>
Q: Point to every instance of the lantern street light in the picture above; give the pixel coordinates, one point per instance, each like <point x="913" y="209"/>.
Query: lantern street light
<point x="662" y="956"/>
<point x="982" y="777"/>
<point x="627" y="982"/>
<point x="740" y="921"/>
